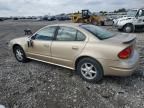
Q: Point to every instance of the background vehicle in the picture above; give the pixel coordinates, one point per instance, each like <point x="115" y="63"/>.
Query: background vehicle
<point x="51" y="18"/>
<point x="15" y="18"/>
<point x="90" y="50"/>
<point x="87" y="17"/>
<point x="133" y="21"/>
<point x="48" y="18"/>
<point x="62" y="17"/>
<point x="2" y="19"/>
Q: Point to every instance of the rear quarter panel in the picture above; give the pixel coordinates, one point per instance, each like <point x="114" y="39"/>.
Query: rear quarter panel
<point x="99" y="50"/>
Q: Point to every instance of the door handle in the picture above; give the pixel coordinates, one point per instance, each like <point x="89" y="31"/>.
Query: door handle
<point x="75" y="47"/>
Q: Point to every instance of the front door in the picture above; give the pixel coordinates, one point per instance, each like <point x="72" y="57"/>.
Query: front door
<point x="68" y="44"/>
<point x="140" y="18"/>
<point x="41" y="44"/>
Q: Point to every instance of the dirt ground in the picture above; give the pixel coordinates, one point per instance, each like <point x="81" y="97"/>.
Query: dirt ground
<point x="39" y="85"/>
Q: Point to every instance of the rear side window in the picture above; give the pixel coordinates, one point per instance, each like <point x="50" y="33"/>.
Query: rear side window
<point x="80" y="36"/>
<point x="97" y="31"/>
<point x="66" y="34"/>
<point x="45" y="34"/>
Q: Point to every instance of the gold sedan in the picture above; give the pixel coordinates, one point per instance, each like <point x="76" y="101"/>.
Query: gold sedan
<point x="90" y="50"/>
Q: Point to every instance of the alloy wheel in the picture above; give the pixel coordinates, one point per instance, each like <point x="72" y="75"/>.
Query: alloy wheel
<point x="88" y="70"/>
<point x="19" y="54"/>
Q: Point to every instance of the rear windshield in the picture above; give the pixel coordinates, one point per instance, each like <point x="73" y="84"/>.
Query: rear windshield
<point x="97" y="31"/>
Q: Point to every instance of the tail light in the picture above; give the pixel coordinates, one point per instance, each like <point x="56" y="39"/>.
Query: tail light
<point x="126" y="53"/>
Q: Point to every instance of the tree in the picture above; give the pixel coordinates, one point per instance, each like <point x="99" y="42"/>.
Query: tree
<point x="103" y="12"/>
<point x="120" y="10"/>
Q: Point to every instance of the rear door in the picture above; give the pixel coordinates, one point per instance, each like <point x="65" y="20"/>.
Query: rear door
<point x="68" y="44"/>
<point x="41" y="44"/>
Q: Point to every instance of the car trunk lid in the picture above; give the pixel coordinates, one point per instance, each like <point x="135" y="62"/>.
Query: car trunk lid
<point x="125" y="42"/>
<point x="122" y="38"/>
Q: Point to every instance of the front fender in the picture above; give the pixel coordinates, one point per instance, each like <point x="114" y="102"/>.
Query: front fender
<point x="19" y="41"/>
<point x="124" y="22"/>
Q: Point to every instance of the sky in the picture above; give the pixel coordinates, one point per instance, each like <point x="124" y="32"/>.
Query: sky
<point x="52" y="7"/>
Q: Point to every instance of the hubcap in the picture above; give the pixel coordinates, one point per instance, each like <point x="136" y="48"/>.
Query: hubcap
<point x="19" y="54"/>
<point x="88" y="71"/>
<point x="128" y="29"/>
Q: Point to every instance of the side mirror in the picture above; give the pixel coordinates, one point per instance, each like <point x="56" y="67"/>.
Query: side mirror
<point x="29" y="42"/>
<point x="140" y="13"/>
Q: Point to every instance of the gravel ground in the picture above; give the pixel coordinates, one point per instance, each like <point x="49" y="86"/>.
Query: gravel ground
<point x="40" y="85"/>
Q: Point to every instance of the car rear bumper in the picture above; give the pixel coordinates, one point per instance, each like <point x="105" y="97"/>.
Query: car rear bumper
<point x="121" y="67"/>
<point x="116" y="71"/>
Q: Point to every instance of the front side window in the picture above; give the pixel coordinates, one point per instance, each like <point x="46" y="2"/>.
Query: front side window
<point x="131" y="13"/>
<point x="45" y="34"/>
<point x="66" y="34"/>
<point x="142" y="13"/>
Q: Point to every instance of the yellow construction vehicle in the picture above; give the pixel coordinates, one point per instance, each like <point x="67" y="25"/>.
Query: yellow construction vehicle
<point x="87" y="17"/>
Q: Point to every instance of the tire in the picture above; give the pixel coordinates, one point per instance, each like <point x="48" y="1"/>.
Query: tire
<point x="128" y="28"/>
<point x="20" y="54"/>
<point x="119" y="30"/>
<point x="102" y="23"/>
<point x="89" y="70"/>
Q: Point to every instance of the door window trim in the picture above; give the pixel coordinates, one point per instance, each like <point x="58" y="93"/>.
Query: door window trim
<point x="56" y="28"/>
<point x="77" y="36"/>
<point x="55" y="38"/>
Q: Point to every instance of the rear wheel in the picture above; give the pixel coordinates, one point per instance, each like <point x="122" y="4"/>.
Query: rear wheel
<point x="20" y="54"/>
<point x="102" y="23"/>
<point x="128" y="28"/>
<point x="90" y="70"/>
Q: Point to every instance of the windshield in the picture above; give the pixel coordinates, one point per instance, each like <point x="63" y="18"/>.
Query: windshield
<point x="131" y="13"/>
<point x="97" y="31"/>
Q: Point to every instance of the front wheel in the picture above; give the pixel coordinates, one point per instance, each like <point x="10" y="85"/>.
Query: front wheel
<point x="90" y="70"/>
<point x="20" y="54"/>
<point x="128" y="28"/>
